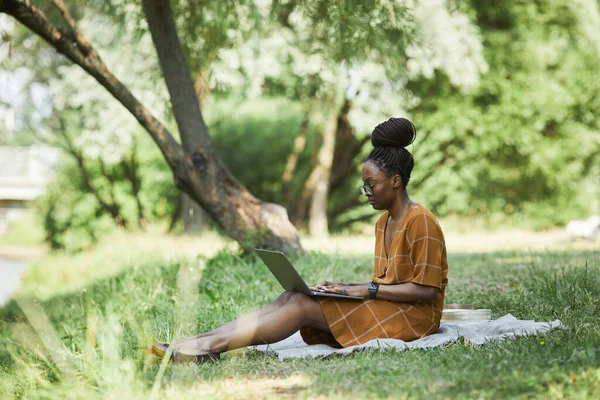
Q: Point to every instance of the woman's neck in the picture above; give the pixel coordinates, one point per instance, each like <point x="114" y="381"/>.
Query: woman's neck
<point x="400" y="206"/>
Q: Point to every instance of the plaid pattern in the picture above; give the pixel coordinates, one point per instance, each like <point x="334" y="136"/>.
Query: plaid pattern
<point x="418" y="255"/>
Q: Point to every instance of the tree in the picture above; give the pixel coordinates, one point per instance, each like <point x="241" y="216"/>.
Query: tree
<point x="348" y="89"/>
<point x="114" y="169"/>
<point x="196" y="167"/>
<point x="524" y="141"/>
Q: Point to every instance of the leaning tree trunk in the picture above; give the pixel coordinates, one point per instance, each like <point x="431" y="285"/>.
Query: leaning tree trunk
<point x="192" y="215"/>
<point x="206" y="179"/>
<point x="196" y="167"/>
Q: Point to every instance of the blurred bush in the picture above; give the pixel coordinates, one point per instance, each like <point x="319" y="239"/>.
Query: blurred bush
<point x="255" y="139"/>
<point x="525" y="142"/>
<point x="72" y="209"/>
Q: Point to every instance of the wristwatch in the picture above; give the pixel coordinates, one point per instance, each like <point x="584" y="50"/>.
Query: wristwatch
<point x="373" y="287"/>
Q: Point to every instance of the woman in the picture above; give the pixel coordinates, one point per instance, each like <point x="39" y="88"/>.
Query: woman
<point x="405" y="297"/>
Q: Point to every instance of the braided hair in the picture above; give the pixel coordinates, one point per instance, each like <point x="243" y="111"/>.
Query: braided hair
<point x="390" y="139"/>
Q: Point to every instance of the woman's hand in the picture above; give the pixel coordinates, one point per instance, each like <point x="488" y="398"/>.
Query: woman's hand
<point x="329" y="285"/>
<point x="350" y="289"/>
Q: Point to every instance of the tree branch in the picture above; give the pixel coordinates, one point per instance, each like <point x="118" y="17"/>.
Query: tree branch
<point x="83" y="44"/>
<point x="197" y="168"/>
<point x="35" y="20"/>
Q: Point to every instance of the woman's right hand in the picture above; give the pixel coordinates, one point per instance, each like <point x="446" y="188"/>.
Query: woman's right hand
<point x="326" y="285"/>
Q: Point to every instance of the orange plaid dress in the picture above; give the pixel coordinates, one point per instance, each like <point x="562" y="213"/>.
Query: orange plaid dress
<point x="418" y="255"/>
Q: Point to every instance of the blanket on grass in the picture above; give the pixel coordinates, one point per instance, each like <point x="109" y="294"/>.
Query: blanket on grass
<point x="475" y="332"/>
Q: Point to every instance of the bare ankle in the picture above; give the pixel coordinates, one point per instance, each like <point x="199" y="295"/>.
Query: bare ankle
<point x="206" y="345"/>
<point x="216" y="344"/>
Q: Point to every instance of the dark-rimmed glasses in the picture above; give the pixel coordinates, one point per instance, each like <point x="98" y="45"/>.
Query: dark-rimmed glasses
<point x="367" y="190"/>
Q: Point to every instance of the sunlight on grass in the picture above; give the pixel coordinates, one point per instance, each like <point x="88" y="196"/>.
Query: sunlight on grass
<point x="576" y="385"/>
<point x="63" y="272"/>
<point x="267" y="388"/>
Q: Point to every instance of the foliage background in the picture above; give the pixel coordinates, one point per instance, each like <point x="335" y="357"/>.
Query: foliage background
<point x="504" y="96"/>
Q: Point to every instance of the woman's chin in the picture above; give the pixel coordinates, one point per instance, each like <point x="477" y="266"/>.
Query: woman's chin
<point x="375" y="206"/>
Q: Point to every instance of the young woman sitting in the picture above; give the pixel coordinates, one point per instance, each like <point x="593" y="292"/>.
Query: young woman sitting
<point x="404" y="297"/>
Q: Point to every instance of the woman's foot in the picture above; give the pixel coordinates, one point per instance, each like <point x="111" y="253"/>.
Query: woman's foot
<point x="160" y="349"/>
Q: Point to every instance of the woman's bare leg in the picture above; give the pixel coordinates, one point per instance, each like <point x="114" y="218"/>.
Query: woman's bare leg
<point x="244" y="319"/>
<point x="299" y="311"/>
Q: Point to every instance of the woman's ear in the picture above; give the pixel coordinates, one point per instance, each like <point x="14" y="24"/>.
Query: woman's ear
<point x="397" y="182"/>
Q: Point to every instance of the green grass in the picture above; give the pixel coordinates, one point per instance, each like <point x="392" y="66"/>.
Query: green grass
<point x="91" y="344"/>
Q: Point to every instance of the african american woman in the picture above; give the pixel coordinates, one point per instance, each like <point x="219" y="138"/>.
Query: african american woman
<point x="404" y="298"/>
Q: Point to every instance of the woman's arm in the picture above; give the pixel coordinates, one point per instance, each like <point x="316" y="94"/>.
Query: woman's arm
<point x="406" y="292"/>
<point x="401" y="292"/>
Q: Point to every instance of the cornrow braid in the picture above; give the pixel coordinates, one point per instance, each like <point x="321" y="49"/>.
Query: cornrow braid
<point x="389" y="140"/>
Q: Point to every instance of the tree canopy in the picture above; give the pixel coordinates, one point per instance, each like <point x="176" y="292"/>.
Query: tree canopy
<point x="503" y="97"/>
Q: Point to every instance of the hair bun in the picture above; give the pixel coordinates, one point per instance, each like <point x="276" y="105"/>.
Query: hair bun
<point x="395" y="132"/>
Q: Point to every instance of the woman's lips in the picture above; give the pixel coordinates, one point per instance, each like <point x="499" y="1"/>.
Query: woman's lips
<point x="371" y="201"/>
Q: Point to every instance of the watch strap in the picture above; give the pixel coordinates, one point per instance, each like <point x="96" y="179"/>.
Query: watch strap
<point x="373" y="287"/>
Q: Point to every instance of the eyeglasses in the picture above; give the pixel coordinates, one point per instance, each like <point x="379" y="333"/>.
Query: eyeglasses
<point x="367" y="190"/>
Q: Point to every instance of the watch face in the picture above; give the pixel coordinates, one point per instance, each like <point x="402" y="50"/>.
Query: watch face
<point x="373" y="286"/>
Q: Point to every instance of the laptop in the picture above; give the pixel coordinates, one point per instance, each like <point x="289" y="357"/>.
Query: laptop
<point x="289" y="278"/>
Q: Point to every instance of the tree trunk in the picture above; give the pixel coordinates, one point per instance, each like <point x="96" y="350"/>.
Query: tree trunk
<point x="245" y="218"/>
<point x="193" y="216"/>
<point x="188" y="210"/>
<point x="347" y="148"/>
<point x="196" y="167"/>
<point x="346" y="164"/>
<point x="201" y="87"/>
<point x="319" y="178"/>
<point x="290" y="166"/>
<point x="301" y="205"/>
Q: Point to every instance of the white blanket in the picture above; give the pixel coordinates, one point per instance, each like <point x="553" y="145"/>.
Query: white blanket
<point x="474" y="332"/>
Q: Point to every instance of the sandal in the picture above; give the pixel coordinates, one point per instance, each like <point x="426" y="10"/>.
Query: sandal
<point x="160" y="349"/>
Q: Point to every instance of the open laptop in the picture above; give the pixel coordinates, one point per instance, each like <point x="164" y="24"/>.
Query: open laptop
<point x="288" y="277"/>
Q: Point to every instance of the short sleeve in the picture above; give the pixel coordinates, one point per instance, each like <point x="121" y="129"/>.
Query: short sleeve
<point x="426" y="248"/>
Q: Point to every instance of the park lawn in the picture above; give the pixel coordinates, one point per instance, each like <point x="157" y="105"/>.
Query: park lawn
<point x="95" y="334"/>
